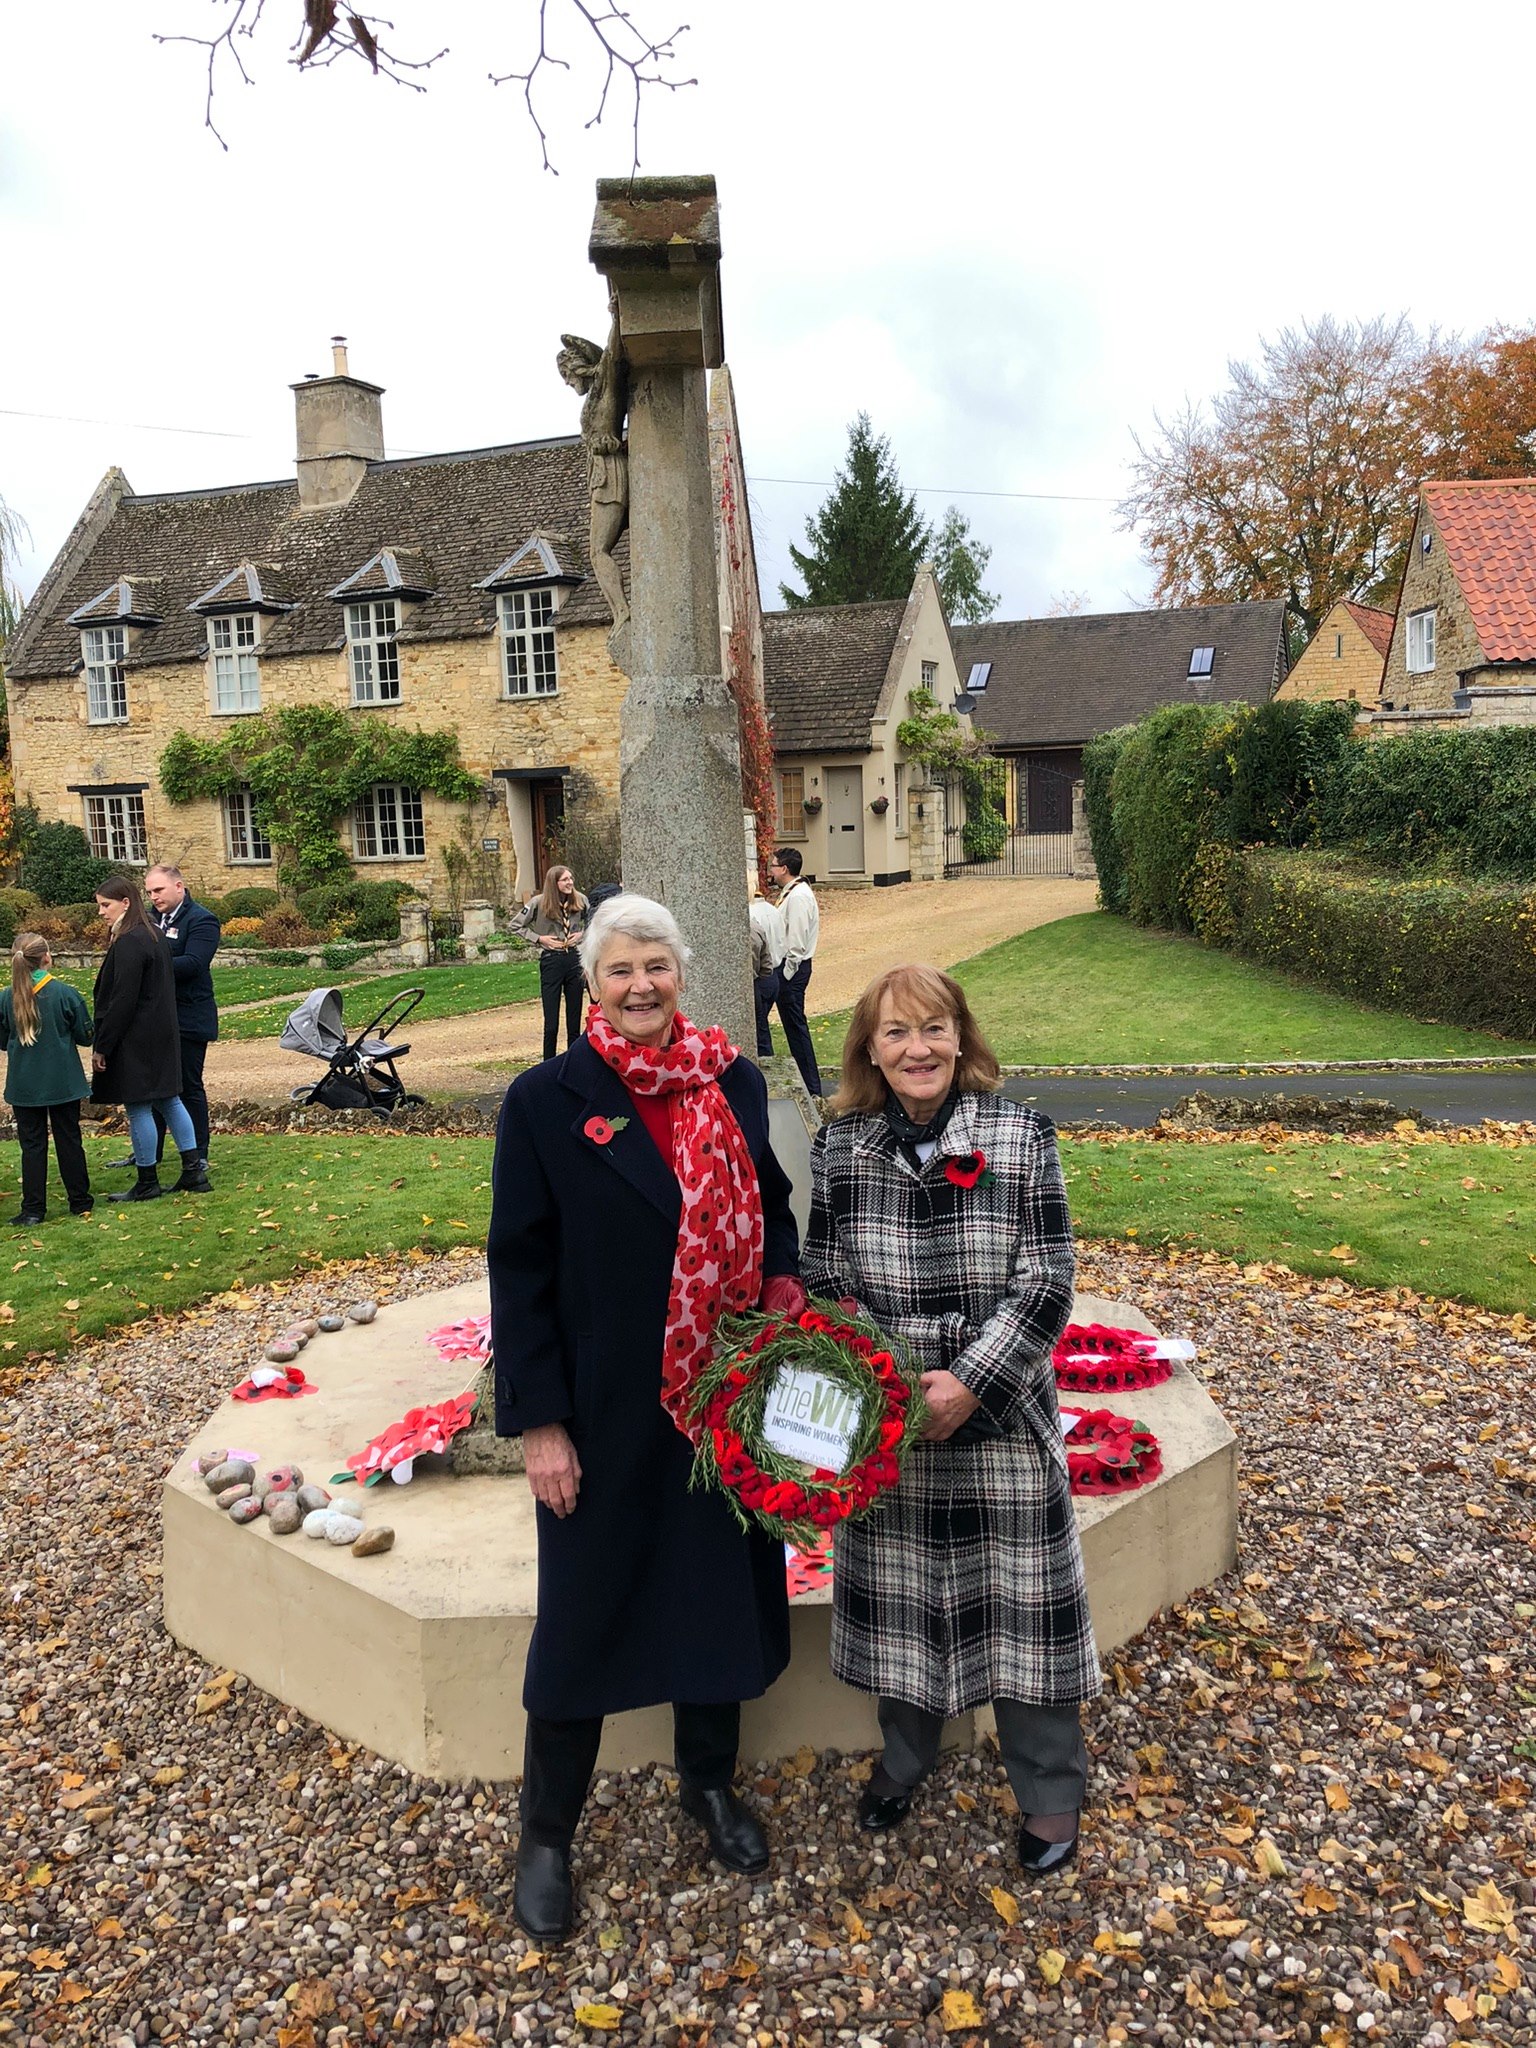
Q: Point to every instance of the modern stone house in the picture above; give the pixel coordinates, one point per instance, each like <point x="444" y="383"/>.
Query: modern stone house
<point x="438" y="591"/>
<point x="1045" y="687"/>
<point x="1342" y="662"/>
<point x="1463" y="647"/>
<point x="838" y="679"/>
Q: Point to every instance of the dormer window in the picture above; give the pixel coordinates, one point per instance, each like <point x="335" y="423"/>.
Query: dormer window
<point x="232" y="643"/>
<point x="1201" y="661"/>
<point x="104" y="650"/>
<point x="373" y="652"/>
<point x="528" y="666"/>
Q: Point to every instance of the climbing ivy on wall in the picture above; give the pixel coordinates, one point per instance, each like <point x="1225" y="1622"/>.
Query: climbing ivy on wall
<point x="946" y="748"/>
<point x="305" y="766"/>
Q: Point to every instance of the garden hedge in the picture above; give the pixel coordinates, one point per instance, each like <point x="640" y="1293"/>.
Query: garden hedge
<point x="1463" y="800"/>
<point x="1450" y="952"/>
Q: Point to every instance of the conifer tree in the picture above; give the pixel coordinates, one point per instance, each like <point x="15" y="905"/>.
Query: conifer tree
<point x="867" y="540"/>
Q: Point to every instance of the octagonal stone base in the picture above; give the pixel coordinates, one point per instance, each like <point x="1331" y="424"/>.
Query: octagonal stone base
<point x="419" y="1653"/>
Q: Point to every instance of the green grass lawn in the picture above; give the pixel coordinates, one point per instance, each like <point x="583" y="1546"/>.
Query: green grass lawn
<point x="233" y="984"/>
<point x="1452" y="1220"/>
<point x="279" y="1204"/>
<point x="451" y="991"/>
<point x="1096" y="990"/>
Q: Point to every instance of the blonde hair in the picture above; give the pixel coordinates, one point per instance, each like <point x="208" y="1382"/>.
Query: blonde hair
<point x="29" y="951"/>
<point x="920" y="992"/>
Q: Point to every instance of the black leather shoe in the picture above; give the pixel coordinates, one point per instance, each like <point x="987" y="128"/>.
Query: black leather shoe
<point x="881" y="1810"/>
<point x="541" y="1891"/>
<point x="129" y="1161"/>
<point x="734" y="1836"/>
<point x="28" y="1219"/>
<point x="1041" y="1858"/>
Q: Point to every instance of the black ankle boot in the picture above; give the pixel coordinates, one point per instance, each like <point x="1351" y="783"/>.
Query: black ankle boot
<point x="194" y="1176"/>
<point x="541" y="1890"/>
<point x="146" y="1188"/>
<point x="734" y="1835"/>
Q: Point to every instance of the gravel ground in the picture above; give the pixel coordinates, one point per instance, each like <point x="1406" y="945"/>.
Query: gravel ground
<point x="1311" y="1813"/>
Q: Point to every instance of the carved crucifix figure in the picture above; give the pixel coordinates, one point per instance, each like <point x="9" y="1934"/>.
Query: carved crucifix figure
<point x="599" y="375"/>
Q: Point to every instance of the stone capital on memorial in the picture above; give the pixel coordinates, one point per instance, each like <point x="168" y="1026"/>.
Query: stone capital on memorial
<point x="657" y="241"/>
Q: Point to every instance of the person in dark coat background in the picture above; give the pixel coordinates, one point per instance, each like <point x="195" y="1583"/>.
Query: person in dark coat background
<point x="635" y="1197"/>
<point x="137" y="1057"/>
<point x="192" y="932"/>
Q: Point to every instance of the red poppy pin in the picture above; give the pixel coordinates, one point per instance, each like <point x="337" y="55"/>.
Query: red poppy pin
<point x="602" y="1130"/>
<point x="969" y="1170"/>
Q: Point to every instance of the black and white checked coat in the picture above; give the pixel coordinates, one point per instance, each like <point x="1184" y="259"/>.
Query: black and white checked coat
<point x="966" y="1584"/>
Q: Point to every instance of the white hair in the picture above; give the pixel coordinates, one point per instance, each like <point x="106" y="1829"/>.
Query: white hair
<point x="632" y="917"/>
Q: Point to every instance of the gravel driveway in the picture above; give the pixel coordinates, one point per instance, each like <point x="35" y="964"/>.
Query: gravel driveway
<point x="862" y="930"/>
<point x="1311" y="1811"/>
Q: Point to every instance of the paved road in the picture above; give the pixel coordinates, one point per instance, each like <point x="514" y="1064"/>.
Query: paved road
<point x="1135" y="1100"/>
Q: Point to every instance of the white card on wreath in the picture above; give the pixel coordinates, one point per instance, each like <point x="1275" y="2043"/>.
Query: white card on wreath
<point x="812" y="1418"/>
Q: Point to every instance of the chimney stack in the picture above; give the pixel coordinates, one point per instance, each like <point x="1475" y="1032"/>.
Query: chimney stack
<point x="340" y="425"/>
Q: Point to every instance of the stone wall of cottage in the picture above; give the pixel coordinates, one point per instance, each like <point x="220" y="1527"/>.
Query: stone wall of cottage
<point x="1430" y="580"/>
<point x="1339" y="663"/>
<point x="56" y="755"/>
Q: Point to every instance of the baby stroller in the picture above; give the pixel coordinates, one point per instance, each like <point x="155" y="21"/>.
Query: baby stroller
<point x="360" y="1074"/>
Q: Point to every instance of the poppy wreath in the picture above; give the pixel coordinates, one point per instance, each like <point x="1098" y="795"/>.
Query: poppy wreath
<point x="1093" y="1358"/>
<point x="793" y="1501"/>
<point x="1108" y="1453"/>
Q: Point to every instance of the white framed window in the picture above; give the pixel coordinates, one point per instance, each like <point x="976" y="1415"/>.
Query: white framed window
<point x="899" y="801"/>
<point x="245" y="840"/>
<point x="103" y="650"/>
<point x="374" y="656"/>
<point x="1201" y="660"/>
<point x="387" y="824"/>
<point x="115" y="827"/>
<point x="528" y="643"/>
<point x="930" y="675"/>
<point x="1421" y="642"/>
<point x="792" y="802"/>
<point x="232" y="644"/>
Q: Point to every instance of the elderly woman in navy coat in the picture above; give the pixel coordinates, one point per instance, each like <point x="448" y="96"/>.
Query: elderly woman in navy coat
<point x="636" y="1199"/>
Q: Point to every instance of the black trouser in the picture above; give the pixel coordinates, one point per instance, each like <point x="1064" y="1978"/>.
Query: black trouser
<point x="559" y="1758"/>
<point x="32" y="1130"/>
<point x="765" y="993"/>
<point x="791" y="1001"/>
<point x="194" y="1096"/>
<point x="560" y="973"/>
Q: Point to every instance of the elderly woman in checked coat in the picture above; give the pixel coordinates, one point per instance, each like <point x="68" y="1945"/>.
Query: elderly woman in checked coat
<point x="939" y="1207"/>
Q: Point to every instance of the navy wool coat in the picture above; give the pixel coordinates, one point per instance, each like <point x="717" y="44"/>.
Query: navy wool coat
<point x="135" y="1005"/>
<point x="648" y="1592"/>
<point x="193" y="932"/>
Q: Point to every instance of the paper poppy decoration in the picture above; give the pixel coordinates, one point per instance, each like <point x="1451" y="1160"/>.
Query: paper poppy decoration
<point x="470" y="1338"/>
<point x="1097" y="1358"/>
<point x="418" y="1432"/>
<point x="274" y="1383"/>
<point x="847" y="1365"/>
<point x="969" y="1170"/>
<point x="602" y="1130"/>
<point x="1108" y="1453"/>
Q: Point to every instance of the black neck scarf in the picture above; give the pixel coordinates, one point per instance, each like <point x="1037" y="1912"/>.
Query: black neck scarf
<point x="915" y="1134"/>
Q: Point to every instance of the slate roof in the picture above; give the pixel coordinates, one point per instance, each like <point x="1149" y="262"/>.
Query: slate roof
<point x="464" y="514"/>
<point x="1375" y="625"/>
<point x="1489" y="531"/>
<point x="1061" y="682"/>
<point x="824" y="667"/>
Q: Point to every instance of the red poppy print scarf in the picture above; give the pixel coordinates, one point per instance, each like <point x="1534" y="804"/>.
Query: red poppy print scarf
<point x="719" y="1265"/>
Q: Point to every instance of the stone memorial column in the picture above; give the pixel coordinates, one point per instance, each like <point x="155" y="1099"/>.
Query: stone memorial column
<point x="657" y="241"/>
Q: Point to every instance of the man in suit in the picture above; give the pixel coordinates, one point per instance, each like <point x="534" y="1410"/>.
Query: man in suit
<point x="192" y="933"/>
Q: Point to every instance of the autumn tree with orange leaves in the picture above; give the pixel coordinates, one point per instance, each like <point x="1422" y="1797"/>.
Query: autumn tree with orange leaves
<point x="1299" y="480"/>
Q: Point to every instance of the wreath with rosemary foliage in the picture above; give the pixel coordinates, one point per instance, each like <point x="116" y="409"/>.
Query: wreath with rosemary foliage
<point x="790" y="1498"/>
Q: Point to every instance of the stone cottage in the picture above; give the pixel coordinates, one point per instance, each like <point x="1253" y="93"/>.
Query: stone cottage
<point x="1342" y="662"/>
<point x="436" y="591"/>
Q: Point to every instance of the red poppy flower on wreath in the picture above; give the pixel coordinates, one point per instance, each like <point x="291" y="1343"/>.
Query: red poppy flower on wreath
<point x="969" y="1170"/>
<point x="602" y="1130"/>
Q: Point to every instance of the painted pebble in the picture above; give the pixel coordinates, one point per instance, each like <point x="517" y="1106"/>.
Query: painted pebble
<point x="208" y="1460"/>
<point x="341" y="1528"/>
<point x="231" y="1496"/>
<point x="308" y="1324"/>
<point x="362" y="1311"/>
<point x="314" y="1522"/>
<point x="373" y="1542"/>
<point x="279" y="1479"/>
<point x="295" y="1336"/>
<point x="284" y="1513"/>
<point x="245" y="1510"/>
<point x="282" y="1351"/>
<point x="331" y="1321"/>
<point x="310" y="1497"/>
<point x="227" y="1473"/>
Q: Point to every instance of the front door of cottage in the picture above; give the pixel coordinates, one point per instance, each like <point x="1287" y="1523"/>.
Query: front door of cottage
<point x="547" y="801"/>
<point x="845" y="821"/>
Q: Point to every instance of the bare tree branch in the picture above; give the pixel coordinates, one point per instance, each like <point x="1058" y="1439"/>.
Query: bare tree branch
<point x="330" y="30"/>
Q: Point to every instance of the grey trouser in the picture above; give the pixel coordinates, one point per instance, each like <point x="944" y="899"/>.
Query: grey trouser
<point x="1043" y="1751"/>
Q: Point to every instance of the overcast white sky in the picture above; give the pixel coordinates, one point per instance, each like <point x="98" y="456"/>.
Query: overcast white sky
<point x="1008" y="233"/>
